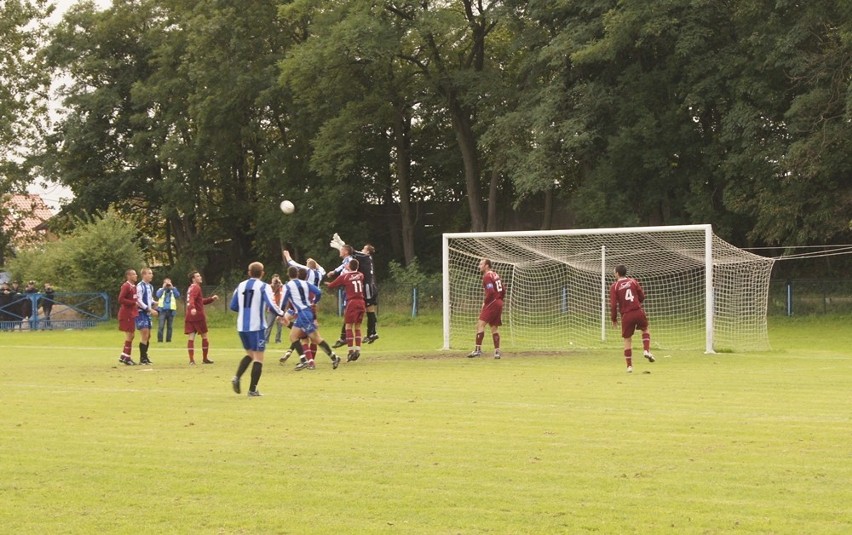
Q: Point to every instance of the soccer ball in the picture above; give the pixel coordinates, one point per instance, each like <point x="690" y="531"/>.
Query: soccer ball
<point x="287" y="207"/>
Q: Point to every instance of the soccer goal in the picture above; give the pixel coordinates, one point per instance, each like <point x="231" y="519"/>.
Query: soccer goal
<point x="701" y="292"/>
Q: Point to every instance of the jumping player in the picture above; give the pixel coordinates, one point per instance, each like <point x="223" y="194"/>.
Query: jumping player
<point x="298" y="294"/>
<point x="353" y="282"/>
<point x="626" y="294"/>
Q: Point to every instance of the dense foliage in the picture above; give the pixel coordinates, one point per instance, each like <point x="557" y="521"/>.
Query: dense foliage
<point x="393" y="121"/>
<point x="93" y="257"/>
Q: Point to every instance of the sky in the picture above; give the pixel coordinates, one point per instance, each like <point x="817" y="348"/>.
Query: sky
<point x="54" y="194"/>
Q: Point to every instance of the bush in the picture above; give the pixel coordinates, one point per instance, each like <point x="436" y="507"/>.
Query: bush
<point x="93" y="257"/>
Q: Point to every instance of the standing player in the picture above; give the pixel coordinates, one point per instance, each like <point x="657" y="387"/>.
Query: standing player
<point x="128" y="309"/>
<point x="250" y="301"/>
<point x="145" y="302"/>
<point x="492" y="309"/>
<point x="353" y="283"/>
<point x="298" y="294"/>
<point x="195" y="321"/>
<point x="626" y="294"/>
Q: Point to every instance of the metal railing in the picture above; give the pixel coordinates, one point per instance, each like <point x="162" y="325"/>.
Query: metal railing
<point x="36" y="311"/>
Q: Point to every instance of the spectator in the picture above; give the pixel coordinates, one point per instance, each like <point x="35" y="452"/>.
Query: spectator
<point x="46" y="303"/>
<point x="277" y="293"/>
<point x="167" y="298"/>
<point x="27" y="308"/>
<point x="5" y="306"/>
<point x="16" y="307"/>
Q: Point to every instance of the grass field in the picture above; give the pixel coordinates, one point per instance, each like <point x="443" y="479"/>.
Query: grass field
<point x="414" y="440"/>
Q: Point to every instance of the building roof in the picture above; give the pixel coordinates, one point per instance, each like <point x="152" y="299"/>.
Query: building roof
<point x="23" y="214"/>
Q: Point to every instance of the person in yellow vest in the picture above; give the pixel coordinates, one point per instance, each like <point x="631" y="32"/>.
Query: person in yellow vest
<point x="167" y="298"/>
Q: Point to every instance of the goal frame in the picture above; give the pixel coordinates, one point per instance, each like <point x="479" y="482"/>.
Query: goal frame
<point x="708" y="268"/>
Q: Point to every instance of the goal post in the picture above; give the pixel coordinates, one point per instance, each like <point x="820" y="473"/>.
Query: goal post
<point x="701" y="292"/>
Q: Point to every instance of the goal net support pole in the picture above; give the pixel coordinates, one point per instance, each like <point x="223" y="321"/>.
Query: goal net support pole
<point x="702" y="292"/>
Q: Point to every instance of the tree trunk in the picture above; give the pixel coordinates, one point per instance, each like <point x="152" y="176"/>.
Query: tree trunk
<point x="493" y="224"/>
<point x="467" y="145"/>
<point x="402" y="142"/>
<point x="547" y="217"/>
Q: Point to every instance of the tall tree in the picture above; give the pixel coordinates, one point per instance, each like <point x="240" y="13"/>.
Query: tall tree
<point x="450" y="48"/>
<point x="799" y="73"/>
<point x="24" y="83"/>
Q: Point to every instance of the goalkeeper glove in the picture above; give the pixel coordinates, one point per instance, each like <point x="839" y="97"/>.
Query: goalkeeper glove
<point x="336" y="242"/>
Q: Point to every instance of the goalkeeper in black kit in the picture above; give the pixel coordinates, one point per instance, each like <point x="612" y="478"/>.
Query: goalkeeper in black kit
<point x="371" y="291"/>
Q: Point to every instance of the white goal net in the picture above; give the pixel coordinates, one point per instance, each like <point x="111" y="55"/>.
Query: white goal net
<point x="701" y="292"/>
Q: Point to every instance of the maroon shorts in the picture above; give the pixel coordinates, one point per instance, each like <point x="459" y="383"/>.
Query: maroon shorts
<point x="127" y="325"/>
<point x="196" y="326"/>
<point x="354" y="312"/>
<point x="631" y="321"/>
<point x="492" y="313"/>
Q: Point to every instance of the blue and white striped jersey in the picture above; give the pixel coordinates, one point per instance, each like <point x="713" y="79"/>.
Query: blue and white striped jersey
<point x="298" y="292"/>
<point x="314" y="275"/>
<point x="344" y="265"/>
<point x="144" y="296"/>
<point x="251" y="299"/>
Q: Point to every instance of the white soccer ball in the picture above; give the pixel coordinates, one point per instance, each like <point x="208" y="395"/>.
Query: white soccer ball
<point x="287" y="207"/>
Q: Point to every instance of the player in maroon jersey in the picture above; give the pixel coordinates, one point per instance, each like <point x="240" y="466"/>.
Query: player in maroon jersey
<point x="195" y="321"/>
<point x="626" y="294"/>
<point x="127" y="312"/>
<point x="492" y="309"/>
<point x="352" y="281"/>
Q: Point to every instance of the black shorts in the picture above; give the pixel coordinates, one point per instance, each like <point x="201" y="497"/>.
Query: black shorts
<point x="371" y="295"/>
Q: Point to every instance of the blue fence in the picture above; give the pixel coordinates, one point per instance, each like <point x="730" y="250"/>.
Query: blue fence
<point x="60" y="311"/>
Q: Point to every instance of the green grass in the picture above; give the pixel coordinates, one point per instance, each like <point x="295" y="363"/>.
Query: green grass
<point x="413" y="440"/>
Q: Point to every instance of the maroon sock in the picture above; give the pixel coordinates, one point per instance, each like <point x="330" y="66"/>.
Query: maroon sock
<point x="205" y="345"/>
<point x="646" y="341"/>
<point x="496" y="338"/>
<point x="190" y="347"/>
<point x="128" y="349"/>
<point x="628" y="356"/>
<point x="479" y="338"/>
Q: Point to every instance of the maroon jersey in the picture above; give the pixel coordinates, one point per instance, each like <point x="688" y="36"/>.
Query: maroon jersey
<point x="625" y="294"/>
<point x="128" y="307"/>
<point x="195" y="299"/>
<point x="353" y="284"/>
<point x="493" y="287"/>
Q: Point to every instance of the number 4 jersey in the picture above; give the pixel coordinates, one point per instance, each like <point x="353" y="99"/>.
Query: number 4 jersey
<point x="625" y="294"/>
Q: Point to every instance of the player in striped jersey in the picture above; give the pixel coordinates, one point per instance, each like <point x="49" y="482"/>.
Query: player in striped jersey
<point x="147" y="308"/>
<point x="315" y="271"/>
<point x="250" y="301"/>
<point x="301" y="295"/>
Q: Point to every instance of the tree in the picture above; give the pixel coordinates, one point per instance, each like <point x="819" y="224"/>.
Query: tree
<point x="92" y="257"/>
<point x="23" y="87"/>
<point x="801" y="62"/>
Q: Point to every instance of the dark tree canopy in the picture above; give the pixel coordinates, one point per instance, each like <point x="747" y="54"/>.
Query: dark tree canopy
<point x="395" y="121"/>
